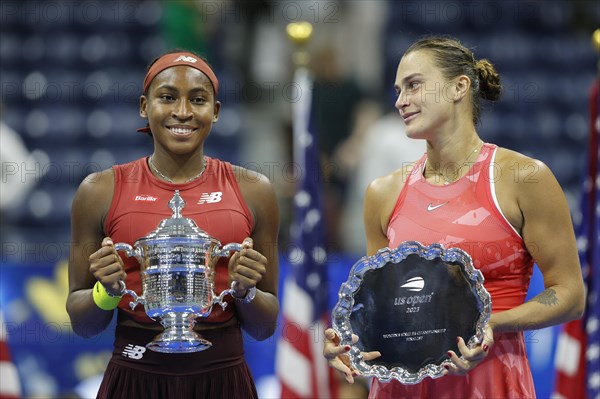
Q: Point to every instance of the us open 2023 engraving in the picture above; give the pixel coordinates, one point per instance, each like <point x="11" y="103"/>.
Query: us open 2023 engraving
<point x="410" y="304"/>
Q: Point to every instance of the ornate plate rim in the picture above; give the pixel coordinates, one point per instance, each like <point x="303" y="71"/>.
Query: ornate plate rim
<point x="342" y="310"/>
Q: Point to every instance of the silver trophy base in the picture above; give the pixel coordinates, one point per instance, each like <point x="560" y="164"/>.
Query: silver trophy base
<point x="179" y="335"/>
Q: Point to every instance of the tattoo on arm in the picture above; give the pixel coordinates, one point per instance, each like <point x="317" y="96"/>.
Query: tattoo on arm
<point x="547" y="297"/>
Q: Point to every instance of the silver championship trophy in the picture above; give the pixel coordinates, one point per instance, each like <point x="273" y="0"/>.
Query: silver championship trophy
<point x="411" y="303"/>
<point x="177" y="263"/>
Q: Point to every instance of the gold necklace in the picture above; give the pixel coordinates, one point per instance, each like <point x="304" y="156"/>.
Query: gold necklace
<point x="447" y="181"/>
<point x="153" y="167"/>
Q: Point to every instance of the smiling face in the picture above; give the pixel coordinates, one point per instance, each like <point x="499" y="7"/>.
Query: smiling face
<point x="180" y="108"/>
<point x="426" y="99"/>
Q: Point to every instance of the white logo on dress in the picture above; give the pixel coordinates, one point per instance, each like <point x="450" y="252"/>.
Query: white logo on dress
<point x="148" y="198"/>
<point x="211" y="198"/>
<point x="431" y="207"/>
<point x="134" y="351"/>
<point x="186" y="59"/>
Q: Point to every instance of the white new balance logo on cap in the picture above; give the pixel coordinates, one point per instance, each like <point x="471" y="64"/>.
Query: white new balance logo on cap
<point x="186" y="59"/>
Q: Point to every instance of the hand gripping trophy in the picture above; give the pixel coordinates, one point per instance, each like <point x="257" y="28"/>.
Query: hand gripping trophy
<point x="177" y="263"/>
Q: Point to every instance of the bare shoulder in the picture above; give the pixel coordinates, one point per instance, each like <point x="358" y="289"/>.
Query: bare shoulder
<point x="98" y="182"/>
<point x="380" y="200"/>
<point x="521" y="171"/>
<point x="389" y="186"/>
<point x="259" y="194"/>
<point x="382" y="193"/>
<point x="252" y="182"/>
<point x="94" y="195"/>
<point x="527" y="189"/>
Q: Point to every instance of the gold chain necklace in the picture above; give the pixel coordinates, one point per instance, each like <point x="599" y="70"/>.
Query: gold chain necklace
<point x="171" y="180"/>
<point x="447" y="181"/>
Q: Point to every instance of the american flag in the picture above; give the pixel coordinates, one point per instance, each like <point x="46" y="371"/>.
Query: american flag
<point x="10" y="387"/>
<point x="577" y="359"/>
<point x="301" y="367"/>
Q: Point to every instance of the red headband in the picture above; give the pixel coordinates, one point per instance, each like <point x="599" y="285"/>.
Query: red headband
<point x="175" y="59"/>
<point x="183" y="58"/>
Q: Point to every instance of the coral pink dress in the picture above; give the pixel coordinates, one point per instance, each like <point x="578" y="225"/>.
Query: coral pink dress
<point x="465" y="214"/>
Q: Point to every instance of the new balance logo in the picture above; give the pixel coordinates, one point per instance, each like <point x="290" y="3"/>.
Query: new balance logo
<point x="148" y="198"/>
<point x="186" y="59"/>
<point x="134" y="351"/>
<point x="211" y="198"/>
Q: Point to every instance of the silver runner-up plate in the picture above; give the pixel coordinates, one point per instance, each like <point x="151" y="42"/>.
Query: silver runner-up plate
<point x="410" y="304"/>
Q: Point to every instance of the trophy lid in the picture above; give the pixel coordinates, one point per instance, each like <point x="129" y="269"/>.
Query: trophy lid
<point x="177" y="228"/>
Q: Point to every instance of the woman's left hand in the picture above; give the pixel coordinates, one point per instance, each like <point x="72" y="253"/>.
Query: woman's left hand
<point x="247" y="268"/>
<point x="470" y="357"/>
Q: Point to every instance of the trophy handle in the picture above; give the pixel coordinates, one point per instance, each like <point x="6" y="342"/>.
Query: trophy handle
<point x="136" y="299"/>
<point x="129" y="250"/>
<point x="219" y="299"/>
<point x="228" y="248"/>
<point x="222" y="253"/>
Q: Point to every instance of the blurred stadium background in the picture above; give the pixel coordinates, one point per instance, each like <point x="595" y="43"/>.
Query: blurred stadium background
<point x="71" y="75"/>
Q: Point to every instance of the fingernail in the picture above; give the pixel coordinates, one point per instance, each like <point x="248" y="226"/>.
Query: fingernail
<point x="449" y="354"/>
<point x="457" y="340"/>
<point x="446" y="367"/>
<point x="485" y="348"/>
<point x="347" y="348"/>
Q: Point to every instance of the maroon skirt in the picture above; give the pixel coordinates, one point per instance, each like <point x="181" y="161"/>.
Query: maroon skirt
<point x="218" y="372"/>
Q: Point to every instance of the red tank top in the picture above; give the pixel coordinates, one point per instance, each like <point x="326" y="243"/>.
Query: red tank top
<point x="140" y="202"/>
<point x="465" y="214"/>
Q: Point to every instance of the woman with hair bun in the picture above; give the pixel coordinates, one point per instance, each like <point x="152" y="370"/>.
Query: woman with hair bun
<point x="503" y="208"/>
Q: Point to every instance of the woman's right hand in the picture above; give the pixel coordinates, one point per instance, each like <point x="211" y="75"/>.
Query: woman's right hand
<point x="107" y="267"/>
<point x="338" y="357"/>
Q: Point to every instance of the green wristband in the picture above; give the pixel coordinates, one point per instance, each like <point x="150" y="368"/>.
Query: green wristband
<point x="103" y="299"/>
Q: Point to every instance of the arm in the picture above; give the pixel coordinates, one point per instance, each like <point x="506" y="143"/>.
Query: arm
<point x="535" y="205"/>
<point x="257" y="265"/>
<point x="548" y="234"/>
<point x="91" y="258"/>
<point x="380" y="200"/>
